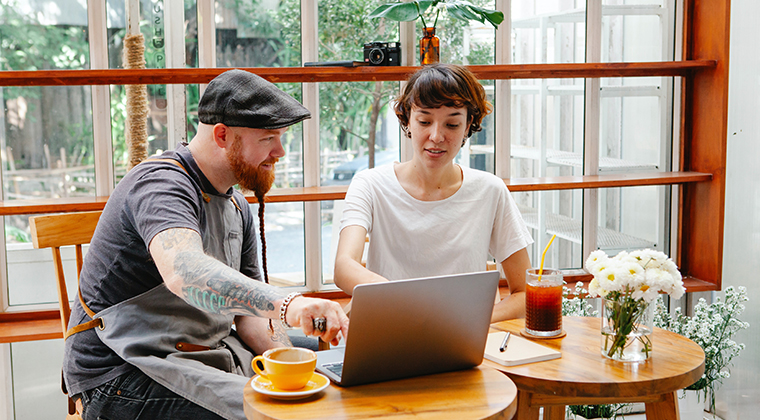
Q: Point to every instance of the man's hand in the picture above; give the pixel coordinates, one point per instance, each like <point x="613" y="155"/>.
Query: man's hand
<point x="302" y="312"/>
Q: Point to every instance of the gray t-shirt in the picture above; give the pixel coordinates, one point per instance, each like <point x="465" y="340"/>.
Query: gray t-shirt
<point x="152" y="197"/>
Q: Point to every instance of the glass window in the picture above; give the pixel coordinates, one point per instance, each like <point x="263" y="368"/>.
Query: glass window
<point x="46" y="140"/>
<point x="36" y="372"/>
<point x="634" y="125"/>
<point x="284" y="227"/>
<point x="632" y="218"/>
<point x="548" y="213"/>
<point x="636" y="31"/>
<point x="548" y="31"/>
<point x="461" y="42"/>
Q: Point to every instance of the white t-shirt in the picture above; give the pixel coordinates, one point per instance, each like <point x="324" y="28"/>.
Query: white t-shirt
<point x="410" y="238"/>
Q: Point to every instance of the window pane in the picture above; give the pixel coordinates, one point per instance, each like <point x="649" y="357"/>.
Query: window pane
<point x="548" y="213"/>
<point x="461" y="42"/>
<point x="46" y="140"/>
<point x="478" y="152"/>
<point x="284" y="224"/>
<point x="632" y="218"/>
<point x="635" y="122"/>
<point x="548" y="31"/>
<point x="331" y="215"/>
<point x="258" y="33"/>
<point x="36" y="367"/>
<point x="636" y="135"/>
<point x="152" y="28"/>
<point x="636" y="31"/>
<point x="31" y="272"/>
<point x="344" y="29"/>
<point x="547" y="127"/>
<point x="547" y="141"/>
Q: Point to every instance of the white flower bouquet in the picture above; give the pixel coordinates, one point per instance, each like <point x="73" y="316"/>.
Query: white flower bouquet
<point x="628" y="283"/>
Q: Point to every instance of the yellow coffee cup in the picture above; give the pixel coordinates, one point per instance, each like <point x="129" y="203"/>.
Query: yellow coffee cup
<point x="288" y="368"/>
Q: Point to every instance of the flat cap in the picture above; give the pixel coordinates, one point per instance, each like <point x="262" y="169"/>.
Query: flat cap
<point x="238" y="98"/>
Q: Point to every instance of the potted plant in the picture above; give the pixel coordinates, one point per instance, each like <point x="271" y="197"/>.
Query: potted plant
<point x="713" y="327"/>
<point x="420" y="9"/>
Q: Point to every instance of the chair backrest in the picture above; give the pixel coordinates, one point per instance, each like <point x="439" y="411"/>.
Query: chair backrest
<point x="59" y="230"/>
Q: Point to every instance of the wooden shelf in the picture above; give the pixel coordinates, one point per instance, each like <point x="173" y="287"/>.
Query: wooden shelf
<point x="338" y="192"/>
<point x="30" y="325"/>
<point x="52" y="205"/>
<point x="347" y="74"/>
<point x="633" y="179"/>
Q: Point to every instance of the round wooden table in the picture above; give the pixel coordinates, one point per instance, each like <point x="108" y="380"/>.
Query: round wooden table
<point x="583" y="376"/>
<point x="479" y="393"/>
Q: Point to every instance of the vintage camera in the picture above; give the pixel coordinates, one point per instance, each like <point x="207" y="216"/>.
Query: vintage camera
<point x="382" y="53"/>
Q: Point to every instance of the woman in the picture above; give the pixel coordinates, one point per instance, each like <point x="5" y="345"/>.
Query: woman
<point x="429" y="216"/>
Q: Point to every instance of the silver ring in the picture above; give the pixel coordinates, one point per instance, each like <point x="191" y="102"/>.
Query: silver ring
<point x="320" y="324"/>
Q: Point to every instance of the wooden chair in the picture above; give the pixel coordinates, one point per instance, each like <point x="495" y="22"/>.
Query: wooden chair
<point x="64" y="230"/>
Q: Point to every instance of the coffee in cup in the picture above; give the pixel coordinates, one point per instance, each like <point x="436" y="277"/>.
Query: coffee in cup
<point x="288" y="368"/>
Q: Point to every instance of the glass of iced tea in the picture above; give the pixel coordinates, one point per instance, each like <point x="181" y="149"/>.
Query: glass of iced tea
<point x="543" y="302"/>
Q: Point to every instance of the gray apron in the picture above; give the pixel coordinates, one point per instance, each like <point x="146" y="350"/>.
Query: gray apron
<point x="185" y="349"/>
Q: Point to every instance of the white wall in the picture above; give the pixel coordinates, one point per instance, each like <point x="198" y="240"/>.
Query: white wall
<point x="739" y="398"/>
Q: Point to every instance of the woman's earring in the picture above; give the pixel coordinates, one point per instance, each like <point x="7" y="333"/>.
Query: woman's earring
<point x="408" y="133"/>
<point x="464" y="141"/>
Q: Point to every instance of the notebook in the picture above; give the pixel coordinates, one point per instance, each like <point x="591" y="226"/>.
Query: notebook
<point x="415" y="327"/>
<point x="519" y="350"/>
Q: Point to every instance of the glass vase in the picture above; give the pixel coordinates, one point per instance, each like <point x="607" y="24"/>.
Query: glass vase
<point x="626" y="329"/>
<point x="429" y="47"/>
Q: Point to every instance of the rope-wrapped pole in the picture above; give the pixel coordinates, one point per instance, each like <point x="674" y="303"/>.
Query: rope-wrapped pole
<point x="136" y="130"/>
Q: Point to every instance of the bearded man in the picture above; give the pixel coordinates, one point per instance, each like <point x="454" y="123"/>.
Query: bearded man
<point x="173" y="266"/>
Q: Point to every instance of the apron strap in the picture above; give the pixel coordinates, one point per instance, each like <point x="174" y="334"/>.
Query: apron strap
<point x="95" y="322"/>
<point x="98" y="322"/>
<point x="206" y="198"/>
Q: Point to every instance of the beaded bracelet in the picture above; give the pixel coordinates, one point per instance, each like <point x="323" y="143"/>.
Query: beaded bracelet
<point x="284" y="307"/>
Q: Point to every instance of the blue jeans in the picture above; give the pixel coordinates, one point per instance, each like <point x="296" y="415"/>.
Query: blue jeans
<point x="134" y="395"/>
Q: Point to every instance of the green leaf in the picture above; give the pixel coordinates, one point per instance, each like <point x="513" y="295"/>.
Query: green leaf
<point x="400" y="12"/>
<point x="380" y="11"/>
<point x="463" y="12"/>
<point x="494" y="17"/>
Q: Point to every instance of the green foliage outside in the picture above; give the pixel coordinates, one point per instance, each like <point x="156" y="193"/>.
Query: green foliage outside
<point x="27" y="45"/>
<point x="346" y="109"/>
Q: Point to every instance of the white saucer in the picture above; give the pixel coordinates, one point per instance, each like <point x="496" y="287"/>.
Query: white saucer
<point x="317" y="383"/>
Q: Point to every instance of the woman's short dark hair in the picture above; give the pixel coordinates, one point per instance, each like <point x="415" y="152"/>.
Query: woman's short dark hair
<point x="439" y="85"/>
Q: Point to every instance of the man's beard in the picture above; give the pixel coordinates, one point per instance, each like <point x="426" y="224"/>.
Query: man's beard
<point x="253" y="178"/>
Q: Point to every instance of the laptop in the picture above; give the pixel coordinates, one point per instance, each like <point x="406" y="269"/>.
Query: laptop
<point x="407" y="328"/>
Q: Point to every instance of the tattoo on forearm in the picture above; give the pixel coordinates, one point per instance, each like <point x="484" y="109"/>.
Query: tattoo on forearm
<point x="215" y="287"/>
<point x="209" y="301"/>
<point x="280" y="336"/>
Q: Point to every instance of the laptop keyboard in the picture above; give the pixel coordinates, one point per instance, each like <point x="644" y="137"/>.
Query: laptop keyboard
<point x="336" y="368"/>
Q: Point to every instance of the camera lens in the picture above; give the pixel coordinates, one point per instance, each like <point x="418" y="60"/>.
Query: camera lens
<point x="376" y="56"/>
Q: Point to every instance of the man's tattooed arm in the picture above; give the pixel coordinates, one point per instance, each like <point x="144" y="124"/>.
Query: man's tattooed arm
<point x="207" y="283"/>
<point x="249" y="329"/>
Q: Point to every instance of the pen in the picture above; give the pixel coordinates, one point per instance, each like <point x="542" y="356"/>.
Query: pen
<point x="504" y="343"/>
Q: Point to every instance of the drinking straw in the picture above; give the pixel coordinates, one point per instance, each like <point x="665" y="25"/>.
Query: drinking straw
<point x="541" y="269"/>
